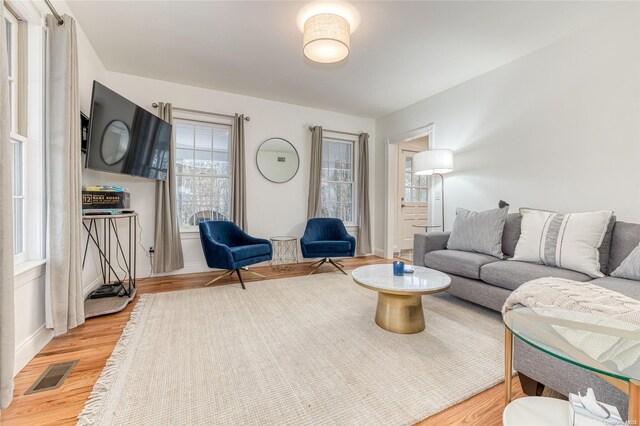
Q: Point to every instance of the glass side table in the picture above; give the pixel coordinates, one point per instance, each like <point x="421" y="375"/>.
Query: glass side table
<point x="608" y="347"/>
<point x="285" y="252"/>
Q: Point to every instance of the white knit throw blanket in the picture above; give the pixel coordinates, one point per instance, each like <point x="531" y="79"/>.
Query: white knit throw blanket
<point x="558" y="293"/>
<point x="620" y="353"/>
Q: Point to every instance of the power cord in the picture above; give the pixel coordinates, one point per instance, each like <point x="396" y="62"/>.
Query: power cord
<point x="147" y="252"/>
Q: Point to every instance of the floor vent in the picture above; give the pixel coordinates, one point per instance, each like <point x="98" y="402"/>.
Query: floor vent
<point x="53" y="377"/>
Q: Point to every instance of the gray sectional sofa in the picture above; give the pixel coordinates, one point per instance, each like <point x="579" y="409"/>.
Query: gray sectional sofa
<point x="488" y="281"/>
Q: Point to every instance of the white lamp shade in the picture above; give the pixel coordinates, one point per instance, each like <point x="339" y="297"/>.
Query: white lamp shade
<point x="433" y="161"/>
<point x="326" y="38"/>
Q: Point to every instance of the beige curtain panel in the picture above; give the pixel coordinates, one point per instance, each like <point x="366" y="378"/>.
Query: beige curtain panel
<point x="238" y="177"/>
<point x="63" y="291"/>
<point x="7" y="326"/>
<point x="363" y="245"/>
<point x="315" y="174"/>
<point x="167" y="243"/>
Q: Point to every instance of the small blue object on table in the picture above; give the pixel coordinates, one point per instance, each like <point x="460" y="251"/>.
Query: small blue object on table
<point x="398" y="268"/>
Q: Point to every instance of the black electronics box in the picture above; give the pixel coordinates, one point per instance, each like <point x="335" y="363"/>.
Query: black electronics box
<point x="95" y="200"/>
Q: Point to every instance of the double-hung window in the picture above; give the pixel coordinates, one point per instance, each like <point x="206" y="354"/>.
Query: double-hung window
<point x="337" y="197"/>
<point x="25" y="39"/>
<point x="203" y="171"/>
<point x="17" y="132"/>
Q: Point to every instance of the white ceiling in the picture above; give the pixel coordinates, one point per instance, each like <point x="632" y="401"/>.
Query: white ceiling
<point x="402" y="52"/>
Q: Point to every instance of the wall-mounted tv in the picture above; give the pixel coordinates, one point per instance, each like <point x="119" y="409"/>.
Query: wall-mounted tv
<point x="125" y="138"/>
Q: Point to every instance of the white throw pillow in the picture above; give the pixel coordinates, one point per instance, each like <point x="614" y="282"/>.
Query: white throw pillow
<point x="568" y="241"/>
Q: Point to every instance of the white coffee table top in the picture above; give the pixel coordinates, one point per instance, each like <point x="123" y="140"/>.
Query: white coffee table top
<point x="380" y="278"/>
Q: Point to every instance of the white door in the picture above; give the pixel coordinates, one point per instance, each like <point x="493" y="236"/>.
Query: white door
<point x="413" y="201"/>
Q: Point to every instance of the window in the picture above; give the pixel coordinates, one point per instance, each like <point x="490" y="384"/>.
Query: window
<point x="415" y="186"/>
<point x="338" y="190"/>
<point x="26" y="52"/>
<point x="18" y="136"/>
<point x="203" y="172"/>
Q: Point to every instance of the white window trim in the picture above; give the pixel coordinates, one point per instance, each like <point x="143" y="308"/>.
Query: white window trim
<point x="193" y="232"/>
<point x="353" y="225"/>
<point x="14" y="79"/>
<point x="30" y="130"/>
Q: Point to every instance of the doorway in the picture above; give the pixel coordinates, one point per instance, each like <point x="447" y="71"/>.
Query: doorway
<point x="412" y="208"/>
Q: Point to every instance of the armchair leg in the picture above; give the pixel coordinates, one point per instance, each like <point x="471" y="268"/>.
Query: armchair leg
<point x="339" y="266"/>
<point x="224" y="274"/>
<point x="237" y="271"/>
<point x="317" y="262"/>
<point x="317" y="265"/>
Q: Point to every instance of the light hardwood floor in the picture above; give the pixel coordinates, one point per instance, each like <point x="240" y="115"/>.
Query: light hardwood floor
<point x="93" y="342"/>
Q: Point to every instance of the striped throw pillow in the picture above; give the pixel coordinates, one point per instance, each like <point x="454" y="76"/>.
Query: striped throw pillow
<point x="568" y="241"/>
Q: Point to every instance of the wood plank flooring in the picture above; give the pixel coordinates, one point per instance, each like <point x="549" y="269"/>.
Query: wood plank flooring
<point x="93" y="342"/>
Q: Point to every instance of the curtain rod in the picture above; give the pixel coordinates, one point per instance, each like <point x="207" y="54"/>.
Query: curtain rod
<point x="337" y="131"/>
<point x="55" y="13"/>
<point x="196" y="111"/>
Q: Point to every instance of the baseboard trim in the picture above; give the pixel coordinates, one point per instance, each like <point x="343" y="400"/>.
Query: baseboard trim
<point x="31" y="347"/>
<point x="379" y="252"/>
<point x="92" y="286"/>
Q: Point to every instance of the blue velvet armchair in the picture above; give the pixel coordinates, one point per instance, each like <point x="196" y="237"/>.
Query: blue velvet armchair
<point x="327" y="238"/>
<point x="226" y="246"/>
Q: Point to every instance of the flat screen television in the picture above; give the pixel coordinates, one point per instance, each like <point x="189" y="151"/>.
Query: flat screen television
<point x="125" y="138"/>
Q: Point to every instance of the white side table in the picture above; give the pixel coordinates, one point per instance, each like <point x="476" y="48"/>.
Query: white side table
<point x="537" y="411"/>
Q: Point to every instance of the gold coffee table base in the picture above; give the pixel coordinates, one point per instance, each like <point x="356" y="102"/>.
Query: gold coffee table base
<point x="400" y="314"/>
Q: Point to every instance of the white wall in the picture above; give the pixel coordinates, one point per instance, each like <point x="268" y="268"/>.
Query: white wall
<point x="31" y="334"/>
<point x="558" y="129"/>
<point x="273" y="209"/>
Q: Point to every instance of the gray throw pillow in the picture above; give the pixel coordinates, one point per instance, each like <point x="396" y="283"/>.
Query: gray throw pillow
<point x="480" y="232"/>
<point x="630" y="266"/>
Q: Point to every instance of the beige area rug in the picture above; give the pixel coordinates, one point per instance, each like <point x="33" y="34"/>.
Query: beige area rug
<point x="289" y="352"/>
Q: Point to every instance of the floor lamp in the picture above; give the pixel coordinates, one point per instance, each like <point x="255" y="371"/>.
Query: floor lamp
<point x="434" y="162"/>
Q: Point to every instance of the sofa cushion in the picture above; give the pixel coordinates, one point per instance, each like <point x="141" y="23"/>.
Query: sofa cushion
<point x="328" y="246"/>
<point x="605" y="248"/>
<point x="463" y="263"/>
<point x="511" y="234"/>
<point x="630" y="267"/>
<point x="625" y="238"/>
<point x="629" y="288"/>
<point x="247" y="252"/>
<point x="511" y="274"/>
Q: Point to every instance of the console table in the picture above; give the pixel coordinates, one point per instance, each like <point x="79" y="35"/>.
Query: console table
<point x="103" y="234"/>
<point x="572" y="337"/>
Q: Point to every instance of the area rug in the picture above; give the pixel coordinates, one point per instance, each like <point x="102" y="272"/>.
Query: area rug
<point x="291" y="351"/>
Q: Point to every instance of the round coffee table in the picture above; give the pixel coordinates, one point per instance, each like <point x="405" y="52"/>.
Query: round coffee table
<point x="400" y="298"/>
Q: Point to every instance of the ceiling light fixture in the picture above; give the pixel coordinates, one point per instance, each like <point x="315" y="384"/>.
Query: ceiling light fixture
<point x="327" y="38"/>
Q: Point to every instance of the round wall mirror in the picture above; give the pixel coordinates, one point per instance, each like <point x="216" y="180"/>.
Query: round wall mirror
<point x="277" y="160"/>
<point x="115" y="142"/>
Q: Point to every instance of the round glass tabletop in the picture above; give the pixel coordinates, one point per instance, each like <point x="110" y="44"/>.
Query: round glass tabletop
<point x="604" y="345"/>
<point x="283" y="238"/>
<point x="421" y="281"/>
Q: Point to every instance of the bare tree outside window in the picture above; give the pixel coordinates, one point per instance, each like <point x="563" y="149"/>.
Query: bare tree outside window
<point x="203" y="172"/>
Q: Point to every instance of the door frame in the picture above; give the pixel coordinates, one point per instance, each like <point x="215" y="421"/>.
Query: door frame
<point x="391" y="171"/>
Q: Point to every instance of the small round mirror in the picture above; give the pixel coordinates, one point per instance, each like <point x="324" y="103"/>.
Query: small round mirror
<point x="277" y="160"/>
<point x="115" y="142"/>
